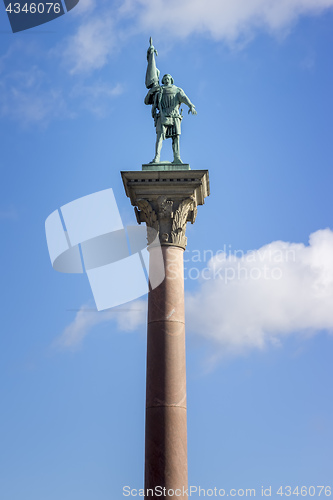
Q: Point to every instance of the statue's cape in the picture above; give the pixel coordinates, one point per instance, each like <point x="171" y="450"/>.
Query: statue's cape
<point x="152" y="73"/>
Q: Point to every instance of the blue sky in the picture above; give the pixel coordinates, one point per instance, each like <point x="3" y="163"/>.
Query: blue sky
<point x="259" y="351"/>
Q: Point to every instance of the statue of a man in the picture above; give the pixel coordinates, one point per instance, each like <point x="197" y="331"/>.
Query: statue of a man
<point x="165" y="100"/>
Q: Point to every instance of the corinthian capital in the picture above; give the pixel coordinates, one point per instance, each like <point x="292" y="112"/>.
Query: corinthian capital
<point x="166" y="201"/>
<point x="167" y="217"/>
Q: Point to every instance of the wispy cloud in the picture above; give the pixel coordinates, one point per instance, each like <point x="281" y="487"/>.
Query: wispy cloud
<point x="91" y="46"/>
<point x="128" y="318"/>
<point x="100" y="34"/>
<point x="221" y="19"/>
<point x="84" y="7"/>
<point x="8" y="214"/>
<point x="96" y="96"/>
<point x="254" y="300"/>
<point x="26" y="97"/>
<point x="30" y="95"/>
<point x="101" y="31"/>
<point x="309" y="62"/>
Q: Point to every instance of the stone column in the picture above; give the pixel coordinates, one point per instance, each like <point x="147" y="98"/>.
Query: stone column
<point x="166" y="201"/>
<point x="166" y="424"/>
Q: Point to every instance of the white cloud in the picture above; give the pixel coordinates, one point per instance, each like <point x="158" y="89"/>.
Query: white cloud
<point x="99" y="36"/>
<point x="134" y="316"/>
<point x="257" y="299"/>
<point x="128" y="318"/>
<point x="91" y="46"/>
<point x="95" y="97"/>
<point x="102" y="30"/>
<point x="78" y="329"/>
<point x="222" y="19"/>
<point x="243" y="302"/>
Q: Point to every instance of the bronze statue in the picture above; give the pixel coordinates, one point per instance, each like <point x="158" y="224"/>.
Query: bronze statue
<point x="165" y="100"/>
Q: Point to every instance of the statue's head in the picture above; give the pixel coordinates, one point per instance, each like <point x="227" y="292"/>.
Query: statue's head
<point x="167" y="80"/>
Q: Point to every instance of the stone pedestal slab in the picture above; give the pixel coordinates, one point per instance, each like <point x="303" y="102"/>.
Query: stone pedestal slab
<point x="174" y="184"/>
<point x="165" y="166"/>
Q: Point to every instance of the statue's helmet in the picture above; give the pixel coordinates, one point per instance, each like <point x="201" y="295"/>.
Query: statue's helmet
<point x="163" y="79"/>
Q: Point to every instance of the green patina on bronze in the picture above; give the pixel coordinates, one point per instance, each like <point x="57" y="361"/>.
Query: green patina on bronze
<point x="165" y="100"/>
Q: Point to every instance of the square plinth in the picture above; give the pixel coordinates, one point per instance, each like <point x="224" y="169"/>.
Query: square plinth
<point x="175" y="184"/>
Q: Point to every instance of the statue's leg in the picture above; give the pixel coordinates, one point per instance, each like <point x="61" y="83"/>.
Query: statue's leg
<point x="158" y="147"/>
<point x="175" y="148"/>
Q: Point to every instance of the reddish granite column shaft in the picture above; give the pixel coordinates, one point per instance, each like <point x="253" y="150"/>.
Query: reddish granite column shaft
<point x="166" y="424"/>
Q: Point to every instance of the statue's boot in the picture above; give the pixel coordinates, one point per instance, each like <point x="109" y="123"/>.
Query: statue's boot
<point x="177" y="159"/>
<point x="156" y="160"/>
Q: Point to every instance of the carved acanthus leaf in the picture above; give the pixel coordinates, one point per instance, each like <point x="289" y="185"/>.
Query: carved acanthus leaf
<point x="179" y="222"/>
<point x="148" y="215"/>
